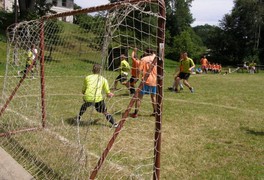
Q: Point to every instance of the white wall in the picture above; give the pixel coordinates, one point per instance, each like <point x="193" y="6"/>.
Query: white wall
<point x="8" y="5"/>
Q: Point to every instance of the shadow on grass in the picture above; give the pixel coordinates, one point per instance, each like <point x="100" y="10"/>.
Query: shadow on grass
<point x="31" y="162"/>
<point x="94" y="122"/>
<point x="253" y="132"/>
<point x="256" y="133"/>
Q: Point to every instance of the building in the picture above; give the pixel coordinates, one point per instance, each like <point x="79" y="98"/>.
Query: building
<point x="6" y="5"/>
<point x="59" y="6"/>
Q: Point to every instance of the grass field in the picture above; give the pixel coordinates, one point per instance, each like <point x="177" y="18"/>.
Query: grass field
<point x="215" y="133"/>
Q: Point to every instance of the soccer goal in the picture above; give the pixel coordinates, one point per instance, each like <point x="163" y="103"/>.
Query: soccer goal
<point x="41" y="98"/>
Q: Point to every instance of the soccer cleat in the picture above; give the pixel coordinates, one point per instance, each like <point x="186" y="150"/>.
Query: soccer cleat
<point x="192" y="90"/>
<point x="78" y="119"/>
<point x="170" y="88"/>
<point x="134" y="115"/>
<point x="181" y="88"/>
<point x="115" y="125"/>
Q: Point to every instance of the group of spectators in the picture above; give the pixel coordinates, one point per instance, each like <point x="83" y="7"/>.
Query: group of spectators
<point x="206" y="66"/>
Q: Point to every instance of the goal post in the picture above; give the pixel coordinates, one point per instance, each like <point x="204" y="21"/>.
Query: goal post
<point x="47" y="93"/>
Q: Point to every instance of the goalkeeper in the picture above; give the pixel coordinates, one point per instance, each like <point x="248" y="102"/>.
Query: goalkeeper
<point x="93" y="86"/>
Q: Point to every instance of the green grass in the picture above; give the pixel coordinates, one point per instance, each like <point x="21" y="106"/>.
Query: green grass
<point x="215" y="133"/>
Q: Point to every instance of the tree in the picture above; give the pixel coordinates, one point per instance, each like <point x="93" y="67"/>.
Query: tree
<point x="32" y="9"/>
<point x="242" y="29"/>
<point x="178" y="15"/>
<point x="179" y="34"/>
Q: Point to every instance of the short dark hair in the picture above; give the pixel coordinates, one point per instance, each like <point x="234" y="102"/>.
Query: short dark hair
<point x="97" y="68"/>
<point x="149" y="51"/>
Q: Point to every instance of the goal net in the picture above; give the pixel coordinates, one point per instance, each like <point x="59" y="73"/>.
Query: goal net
<point x="47" y="62"/>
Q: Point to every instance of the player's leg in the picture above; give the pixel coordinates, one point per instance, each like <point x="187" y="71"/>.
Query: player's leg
<point x="84" y="106"/>
<point x="181" y="86"/>
<point x="178" y="81"/>
<point x="172" y="86"/>
<point x="186" y="83"/>
<point x="137" y="104"/>
<point x="132" y="83"/>
<point x="154" y="104"/>
<point x="101" y="108"/>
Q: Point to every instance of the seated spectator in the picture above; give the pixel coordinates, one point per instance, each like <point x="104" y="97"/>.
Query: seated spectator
<point x="199" y="71"/>
<point x="213" y="68"/>
<point x="252" y="67"/>
<point x="209" y="66"/>
<point x="245" y="66"/>
<point x="220" y="68"/>
<point x="217" y="68"/>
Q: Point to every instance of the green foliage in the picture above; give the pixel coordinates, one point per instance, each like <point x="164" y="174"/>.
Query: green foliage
<point x="179" y="35"/>
<point x="33" y="9"/>
<point x="6" y="19"/>
<point x="187" y="41"/>
<point x="254" y="58"/>
<point x="242" y="30"/>
<point x="42" y="8"/>
<point x="178" y="16"/>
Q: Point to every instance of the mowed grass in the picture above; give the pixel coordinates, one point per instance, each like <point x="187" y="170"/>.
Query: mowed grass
<point x="215" y="133"/>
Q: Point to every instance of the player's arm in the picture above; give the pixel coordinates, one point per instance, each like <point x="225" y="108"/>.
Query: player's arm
<point x="133" y="55"/>
<point x="84" y="86"/>
<point x="107" y="89"/>
<point x="192" y="66"/>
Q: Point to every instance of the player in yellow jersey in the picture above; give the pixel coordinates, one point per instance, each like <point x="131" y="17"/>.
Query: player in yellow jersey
<point x="186" y="66"/>
<point x="32" y="55"/>
<point x="92" y="89"/>
<point x="124" y="69"/>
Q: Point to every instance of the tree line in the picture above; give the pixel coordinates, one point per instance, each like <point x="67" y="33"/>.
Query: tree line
<point x="237" y="39"/>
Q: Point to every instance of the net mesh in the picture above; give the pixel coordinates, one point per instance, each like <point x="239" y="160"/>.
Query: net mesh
<point x="51" y="96"/>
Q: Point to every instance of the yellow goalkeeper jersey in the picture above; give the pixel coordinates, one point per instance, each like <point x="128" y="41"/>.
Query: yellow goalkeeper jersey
<point x="29" y="57"/>
<point x="93" y="87"/>
<point x="124" y="67"/>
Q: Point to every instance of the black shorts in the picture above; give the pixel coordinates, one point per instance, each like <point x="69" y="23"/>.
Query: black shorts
<point x="184" y="75"/>
<point x="121" y="78"/>
<point x="99" y="106"/>
<point x="133" y="79"/>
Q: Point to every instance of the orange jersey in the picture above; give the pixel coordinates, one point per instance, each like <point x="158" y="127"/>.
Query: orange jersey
<point x="144" y="67"/>
<point x="135" y="67"/>
<point x="204" y="61"/>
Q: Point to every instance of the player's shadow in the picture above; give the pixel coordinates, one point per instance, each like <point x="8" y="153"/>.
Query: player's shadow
<point x="256" y="133"/>
<point x="94" y="122"/>
<point x="253" y="132"/>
